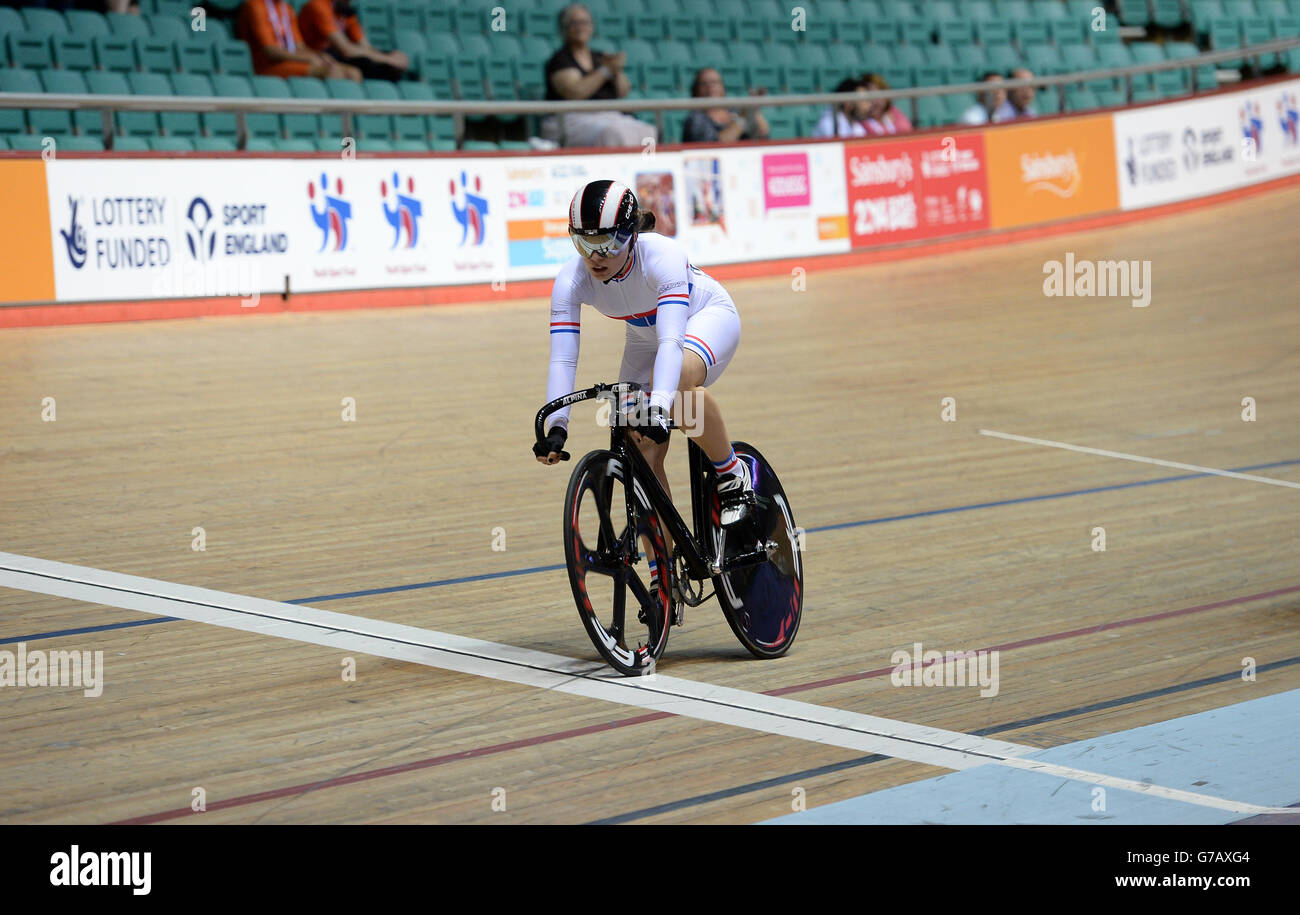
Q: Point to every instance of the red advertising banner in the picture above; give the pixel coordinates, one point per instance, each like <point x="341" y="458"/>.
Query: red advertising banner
<point x="914" y="189"/>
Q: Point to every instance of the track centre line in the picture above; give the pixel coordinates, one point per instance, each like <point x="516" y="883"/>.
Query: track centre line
<point x="1136" y="457"/>
<point x="687" y="698"/>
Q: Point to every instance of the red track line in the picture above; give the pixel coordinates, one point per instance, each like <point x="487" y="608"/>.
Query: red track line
<point x="656" y="716"/>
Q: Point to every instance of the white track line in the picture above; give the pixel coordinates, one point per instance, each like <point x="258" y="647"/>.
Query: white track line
<point x="1139" y="458"/>
<point x="687" y="698"/>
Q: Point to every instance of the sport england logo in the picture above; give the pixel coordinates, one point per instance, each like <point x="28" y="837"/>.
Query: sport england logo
<point x="403" y="211"/>
<point x="470" y="210"/>
<point x="332" y="218"/>
<point x="75" y="237"/>
<point x="200" y="233"/>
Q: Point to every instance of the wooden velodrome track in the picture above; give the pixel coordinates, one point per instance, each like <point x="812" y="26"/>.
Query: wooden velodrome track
<point x="234" y="425"/>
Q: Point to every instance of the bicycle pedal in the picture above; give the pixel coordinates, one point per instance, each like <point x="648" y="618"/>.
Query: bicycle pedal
<point x="679" y="606"/>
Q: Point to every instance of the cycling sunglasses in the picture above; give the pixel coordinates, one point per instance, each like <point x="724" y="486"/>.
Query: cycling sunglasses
<point x="606" y="244"/>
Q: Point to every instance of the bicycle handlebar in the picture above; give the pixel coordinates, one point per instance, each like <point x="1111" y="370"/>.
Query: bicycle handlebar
<point x="621" y="387"/>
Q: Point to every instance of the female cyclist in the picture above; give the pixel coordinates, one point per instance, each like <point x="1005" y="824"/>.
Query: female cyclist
<point x="682" y="330"/>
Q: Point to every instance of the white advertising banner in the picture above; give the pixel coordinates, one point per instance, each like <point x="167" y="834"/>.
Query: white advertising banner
<point x="148" y="229"/>
<point x="1190" y="149"/>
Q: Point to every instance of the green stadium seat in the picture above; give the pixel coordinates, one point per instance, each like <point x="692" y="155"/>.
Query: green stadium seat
<point x="978" y="11"/>
<point x="1114" y="55"/>
<point x="176" y="9"/>
<point x="1002" y="57"/>
<point x="956" y="32"/>
<point x="170" y="144"/>
<point x="43" y="22"/>
<point x="1014" y="11"/>
<point x="850" y="58"/>
<point x="125" y="143"/>
<point x="929" y="76"/>
<point x="148" y="84"/>
<point x="764" y="76"/>
<point x="214" y="32"/>
<point x="1080" y="99"/>
<point x="1047" y="10"/>
<point x="23" y="142"/>
<point x="1205" y="75"/>
<point x="293" y="145"/>
<point x="531" y="78"/>
<point x="126" y="25"/>
<point x="828" y="78"/>
<point x="469" y="78"/>
<point x="1108" y="35"/>
<point x="72" y="52"/>
<point x="86" y="23"/>
<point x="1201" y="13"/>
<point x="343" y="89"/>
<point x="475" y="46"/>
<point x="500" y="73"/>
<point x="465" y="21"/>
<point x="540" y="23"/>
<point x="215" y="144"/>
<point x="10" y="21"/>
<point x="931" y="111"/>
<point x="1041" y="56"/>
<point x="779" y="54"/>
<point x="67" y="143"/>
<point x="1067" y="31"/>
<point x="991" y="33"/>
<point x="1030" y="32"/>
<point x="897" y="75"/>
<point x="1167" y="14"/>
<point x="1146" y="52"/>
<point x="734" y="79"/>
<point x="154" y="55"/>
<point x="960" y="75"/>
<point x="800" y="79"/>
<point x="649" y="27"/>
<point x="73" y="82"/>
<point x="781" y="123"/>
<point x="1286" y="26"/>
<point x="1225" y="33"/>
<point x="681" y="27"/>
<point x="1047" y="101"/>
<point x="849" y="31"/>
<point x="192" y="84"/>
<point x="170" y="27"/>
<point x="917" y="31"/>
<point x="715" y="28"/>
<point x="479" y="146"/>
<point x="817" y="31"/>
<point x="1134" y="12"/>
<point x="942" y="55"/>
<point x="194" y="57"/>
<point x="1257" y="30"/>
<point x="29" y="49"/>
<point x="911" y="56"/>
<point x="884" y="32"/>
<point x="408" y="16"/>
<point x="233" y="57"/>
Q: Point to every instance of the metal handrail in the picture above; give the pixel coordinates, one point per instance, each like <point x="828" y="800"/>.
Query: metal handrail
<point x="109" y="103"/>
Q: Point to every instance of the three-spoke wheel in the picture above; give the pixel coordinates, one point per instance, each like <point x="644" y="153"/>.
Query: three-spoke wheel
<point x="604" y="539"/>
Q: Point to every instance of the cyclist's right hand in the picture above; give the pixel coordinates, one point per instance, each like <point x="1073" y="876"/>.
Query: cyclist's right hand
<point x="550" y="450"/>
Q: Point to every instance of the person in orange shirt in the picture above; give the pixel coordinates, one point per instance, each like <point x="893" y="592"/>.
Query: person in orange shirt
<point x="271" y="30"/>
<point x="332" y="27"/>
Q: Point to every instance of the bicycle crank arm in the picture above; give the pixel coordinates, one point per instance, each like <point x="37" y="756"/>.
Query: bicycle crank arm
<point x="752" y="558"/>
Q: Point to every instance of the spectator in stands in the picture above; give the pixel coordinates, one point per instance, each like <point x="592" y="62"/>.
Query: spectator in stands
<point x="883" y="117"/>
<point x="271" y="30"/>
<point x="989" y="108"/>
<point x="332" y="27"/>
<point x="847" y="119"/>
<point x="1020" y="102"/>
<point x="576" y="71"/>
<point x="721" y="125"/>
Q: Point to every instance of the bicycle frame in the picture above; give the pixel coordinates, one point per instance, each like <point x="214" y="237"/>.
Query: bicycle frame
<point x="700" y="563"/>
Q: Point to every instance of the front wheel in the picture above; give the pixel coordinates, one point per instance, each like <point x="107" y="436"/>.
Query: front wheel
<point x="605" y="565"/>
<point x="763" y="602"/>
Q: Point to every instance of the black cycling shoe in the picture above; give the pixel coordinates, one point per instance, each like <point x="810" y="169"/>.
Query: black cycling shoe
<point x="736" y="495"/>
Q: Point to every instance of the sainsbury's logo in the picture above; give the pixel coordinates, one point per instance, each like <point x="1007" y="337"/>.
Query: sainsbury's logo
<point x="1055" y="174"/>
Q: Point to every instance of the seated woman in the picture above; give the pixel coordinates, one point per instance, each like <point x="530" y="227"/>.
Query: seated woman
<point x="721" y="125"/>
<point x="576" y="72"/>
<point x="883" y="117"/>
<point x="847" y="119"/>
